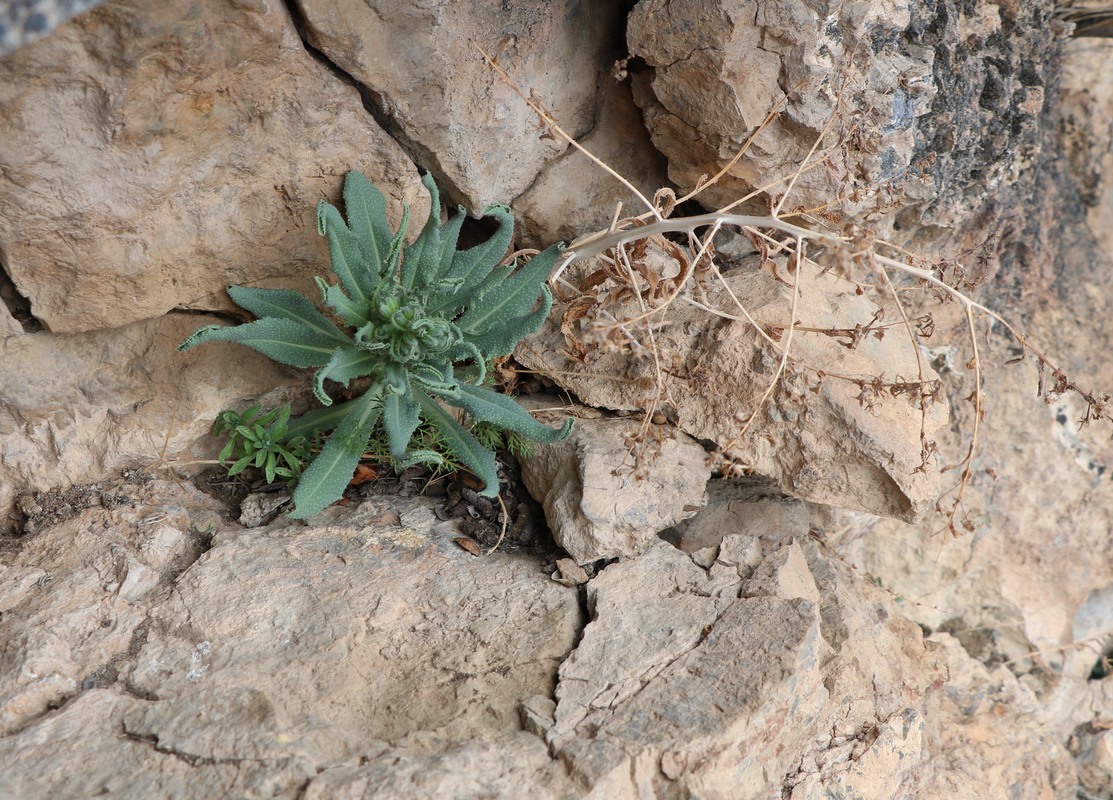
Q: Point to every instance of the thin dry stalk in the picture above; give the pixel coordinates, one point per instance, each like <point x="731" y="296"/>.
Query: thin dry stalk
<point x="505" y="523"/>
<point x="785" y="350"/>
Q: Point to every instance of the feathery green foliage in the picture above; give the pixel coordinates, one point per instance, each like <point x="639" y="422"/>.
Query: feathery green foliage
<point x="422" y="322"/>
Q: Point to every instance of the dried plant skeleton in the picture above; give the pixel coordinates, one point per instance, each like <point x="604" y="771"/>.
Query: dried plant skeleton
<point x="628" y="290"/>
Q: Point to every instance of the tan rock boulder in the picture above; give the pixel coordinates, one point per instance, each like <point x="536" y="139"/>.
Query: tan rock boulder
<point x="595" y="504"/>
<point x="194" y="658"/>
<point x="720" y="69"/>
<point x="573" y="196"/>
<point x="940" y="109"/>
<point x="835" y="438"/>
<point x="155" y="153"/>
<point x="159" y="650"/>
<point x="724" y="681"/>
<point x="420" y="68"/>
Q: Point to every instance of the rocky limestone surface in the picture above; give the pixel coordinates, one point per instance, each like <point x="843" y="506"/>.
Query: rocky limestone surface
<point x="1087" y="133"/>
<point x="598" y="504"/>
<point x="417" y="60"/>
<point x="157" y="648"/>
<point x="185" y="146"/>
<point x="212" y="659"/>
<point x="828" y="440"/>
<point x="592" y="196"/>
<point x="936" y="106"/>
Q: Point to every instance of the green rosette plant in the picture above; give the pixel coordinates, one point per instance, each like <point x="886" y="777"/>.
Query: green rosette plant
<point x="422" y="322"/>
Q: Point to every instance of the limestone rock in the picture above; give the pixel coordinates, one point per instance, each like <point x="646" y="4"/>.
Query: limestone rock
<point x="750" y="506"/>
<point x="830" y="441"/>
<point x="342" y="594"/>
<point x="499" y="769"/>
<point x="94" y="579"/>
<point x="9" y="325"/>
<point x="1093" y="750"/>
<point x="281" y="656"/>
<point x="598" y="504"/>
<point x="1087" y="133"/>
<point x="365" y="655"/>
<point x="1036" y="572"/>
<point x="155" y="154"/>
<point x="419" y="66"/>
<point x="259" y="508"/>
<point x="77" y="408"/>
<point x="156" y="649"/>
<point x="88" y="729"/>
<point x="669" y="669"/>
<point x="984" y="708"/>
<point x="1023" y="601"/>
<point x="573" y="196"/>
<point x="952" y="94"/>
<point x="720" y="69"/>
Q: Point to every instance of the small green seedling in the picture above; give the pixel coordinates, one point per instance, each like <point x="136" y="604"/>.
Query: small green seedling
<point x="421" y="322"/>
<point x="261" y="441"/>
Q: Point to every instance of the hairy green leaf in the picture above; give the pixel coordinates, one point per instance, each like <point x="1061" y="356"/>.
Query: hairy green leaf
<point x="240" y="465"/>
<point x="421" y="260"/>
<point x="283" y="340"/>
<point x="428" y="458"/>
<point x="366" y="209"/>
<point x="284" y="304"/>
<point x="486" y="406"/>
<point x="450" y="233"/>
<point x="461" y="443"/>
<point x="400" y="419"/>
<point x="357" y="274"/>
<point x="396" y="245"/>
<point x="347" y="362"/>
<point x="516" y="297"/>
<point x="463" y="297"/>
<point x="355" y="314"/>
<point x="474" y="264"/>
<point x="321" y="420"/>
<point x="324" y="481"/>
<point x="501" y="339"/>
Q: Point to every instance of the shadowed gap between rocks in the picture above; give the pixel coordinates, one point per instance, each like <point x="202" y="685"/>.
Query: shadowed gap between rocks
<point x="19" y="317"/>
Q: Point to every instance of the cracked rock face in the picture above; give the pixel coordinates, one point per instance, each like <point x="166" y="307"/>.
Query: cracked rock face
<point x="154" y="648"/>
<point x="79" y="408"/>
<point x="573" y="197"/>
<point x="735" y="660"/>
<point x="366" y="655"/>
<point x="829" y="441"/>
<point x="369" y="648"/>
<point x="941" y="105"/>
<point x="155" y="154"/>
<point x="420" y="66"/>
<point x="594" y="503"/>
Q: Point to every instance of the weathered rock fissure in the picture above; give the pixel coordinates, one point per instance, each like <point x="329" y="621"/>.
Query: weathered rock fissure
<point x="372" y="101"/>
<point x="15" y="309"/>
